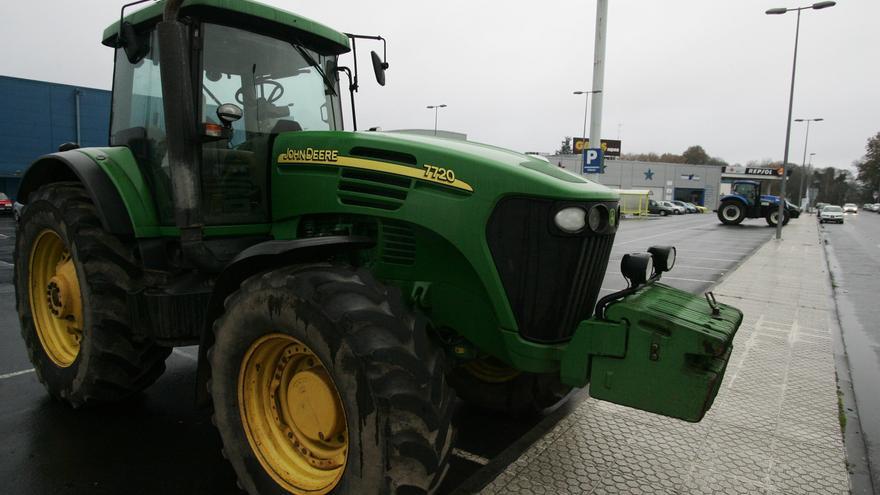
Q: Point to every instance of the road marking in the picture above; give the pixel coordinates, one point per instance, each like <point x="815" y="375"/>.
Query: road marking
<point x="185" y="355"/>
<point x="470" y="457"/>
<point x="4" y="236"/>
<point x="16" y="373"/>
<point x="689" y="279"/>
<point x="5" y="263"/>
<point x="676" y="231"/>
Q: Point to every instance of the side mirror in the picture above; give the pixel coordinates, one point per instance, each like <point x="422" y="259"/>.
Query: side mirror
<point x="229" y="113"/>
<point x="136" y="47"/>
<point x="379" y="68"/>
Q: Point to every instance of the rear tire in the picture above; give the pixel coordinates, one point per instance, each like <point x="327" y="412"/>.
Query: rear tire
<point x="92" y="355"/>
<point x="389" y="380"/>
<point x="731" y="213"/>
<point x="490" y="385"/>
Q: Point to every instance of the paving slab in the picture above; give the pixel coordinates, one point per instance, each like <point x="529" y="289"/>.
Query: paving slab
<point x="773" y="429"/>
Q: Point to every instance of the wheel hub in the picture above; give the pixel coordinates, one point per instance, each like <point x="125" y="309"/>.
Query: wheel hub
<point x="313" y="405"/>
<point x="731" y="213"/>
<point x="55" y="300"/>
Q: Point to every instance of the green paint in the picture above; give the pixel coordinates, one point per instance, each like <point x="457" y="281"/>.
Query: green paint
<point x="663" y="353"/>
<point x="334" y="42"/>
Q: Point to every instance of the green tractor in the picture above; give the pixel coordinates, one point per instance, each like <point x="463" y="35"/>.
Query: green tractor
<point x="343" y="286"/>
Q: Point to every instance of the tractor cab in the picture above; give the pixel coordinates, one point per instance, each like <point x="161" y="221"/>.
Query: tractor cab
<point x="750" y="192"/>
<point x="250" y="81"/>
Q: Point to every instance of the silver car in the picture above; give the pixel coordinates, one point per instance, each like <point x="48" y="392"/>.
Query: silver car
<point x="832" y="214"/>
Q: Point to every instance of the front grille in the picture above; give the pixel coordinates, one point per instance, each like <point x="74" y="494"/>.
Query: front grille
<point x="373" y="190"/>
<point x="552" y="280"/>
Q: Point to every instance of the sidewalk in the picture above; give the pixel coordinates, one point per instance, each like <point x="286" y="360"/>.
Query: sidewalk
<point x="774" y="425"/>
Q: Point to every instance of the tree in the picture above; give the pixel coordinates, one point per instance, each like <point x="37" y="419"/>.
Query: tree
<point x="869" y="168"/>
<point x="696" y="155"/>
<point x="565" y="149"/>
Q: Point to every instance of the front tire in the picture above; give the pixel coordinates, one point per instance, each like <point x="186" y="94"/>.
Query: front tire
<point x="773" y="217"/>
<point x="731" y="213"/>
<point x="663" y="213"/>
<point x="343" y="348"/>
<point x="71" y="279"/>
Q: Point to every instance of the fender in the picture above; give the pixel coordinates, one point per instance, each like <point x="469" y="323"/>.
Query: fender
<point x="253" y="260"/>
<point x="77" y="166"/>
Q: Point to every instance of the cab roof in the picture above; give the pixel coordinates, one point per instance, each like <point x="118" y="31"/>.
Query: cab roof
<point x="248" y="14"/>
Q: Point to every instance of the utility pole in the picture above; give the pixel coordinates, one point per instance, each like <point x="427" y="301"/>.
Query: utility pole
<point x="598" y="73"/>
<point x="436" y="109"/>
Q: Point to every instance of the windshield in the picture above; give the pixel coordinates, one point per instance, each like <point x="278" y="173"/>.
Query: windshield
<point x="279" y="86"/>
<point x="833" y="209"/>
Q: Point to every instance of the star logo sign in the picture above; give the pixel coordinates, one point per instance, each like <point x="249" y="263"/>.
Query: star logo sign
<point x="649" y="175"/>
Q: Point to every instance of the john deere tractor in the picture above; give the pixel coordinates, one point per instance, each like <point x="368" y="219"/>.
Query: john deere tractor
<point x="342" y="286"/>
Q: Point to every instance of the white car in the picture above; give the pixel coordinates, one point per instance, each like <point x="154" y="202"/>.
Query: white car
<point x="850" y="208"/>
<point x="679" y="210"/>
<point x="831" y="213"/>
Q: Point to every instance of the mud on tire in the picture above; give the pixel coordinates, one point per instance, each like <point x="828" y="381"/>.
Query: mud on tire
<point x="112" y="362"/>
<point x="390" y="378"/>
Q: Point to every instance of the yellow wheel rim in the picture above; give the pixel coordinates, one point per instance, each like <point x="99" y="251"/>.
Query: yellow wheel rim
<point x="292" y="415"/>
<point x="490" y="371"/>
<point x="56" y="303"/>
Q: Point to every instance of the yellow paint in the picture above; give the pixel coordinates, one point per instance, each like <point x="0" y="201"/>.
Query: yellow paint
<point x="430" y="173"/>
<point x="292" y="415"/>
<point x="55" y="298"/>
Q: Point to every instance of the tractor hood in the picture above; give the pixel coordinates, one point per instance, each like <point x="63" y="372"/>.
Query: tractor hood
<point x="457" y="166"/>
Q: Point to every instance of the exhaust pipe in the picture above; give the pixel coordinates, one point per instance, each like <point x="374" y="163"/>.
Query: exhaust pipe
<point x="182" y="137"/>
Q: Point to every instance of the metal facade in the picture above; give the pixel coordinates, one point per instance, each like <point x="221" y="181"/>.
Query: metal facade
<point x="42" y="115"/>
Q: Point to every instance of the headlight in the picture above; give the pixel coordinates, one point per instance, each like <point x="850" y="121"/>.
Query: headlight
<point x="597" y="219"/>
<point x="571" y="220"/>
<point x="637" y="267"/>
<point x="664" y="257"/>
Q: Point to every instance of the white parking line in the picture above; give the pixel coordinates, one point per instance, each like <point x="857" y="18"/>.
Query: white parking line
<point x="689" y="280"/>
<point x="5" y="263"/>
<point x="470" y="457"/>
<point x="185" y="355"/>
<point x="16" y="373"/>
<point x="4" y="236"/>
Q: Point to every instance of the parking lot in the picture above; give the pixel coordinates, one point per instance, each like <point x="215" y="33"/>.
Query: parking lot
<point x="159" y="442"/>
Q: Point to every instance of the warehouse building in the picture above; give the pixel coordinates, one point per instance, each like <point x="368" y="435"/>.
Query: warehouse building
<point x="43" y="115"/>
<point x="698" y="184"/>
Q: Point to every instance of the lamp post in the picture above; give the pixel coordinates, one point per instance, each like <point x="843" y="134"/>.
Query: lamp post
<point x="436" y="109"/>
<point x="586" y="107"/>
<point x="804" y="163"/>
<point x="777" y="11"/>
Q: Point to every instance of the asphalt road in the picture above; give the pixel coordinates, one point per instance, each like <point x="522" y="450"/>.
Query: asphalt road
<point x="159" y="443"/>
<point x="854" y="255"/>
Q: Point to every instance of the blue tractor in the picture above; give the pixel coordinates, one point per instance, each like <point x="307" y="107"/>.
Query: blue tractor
<point x="746" y="201"/>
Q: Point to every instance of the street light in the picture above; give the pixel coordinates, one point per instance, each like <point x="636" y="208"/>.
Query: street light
<point x="586" y="107"/>
<point x="776" y="11"/>
<point x="804" y="163"/>
<point x="436" y="109"/>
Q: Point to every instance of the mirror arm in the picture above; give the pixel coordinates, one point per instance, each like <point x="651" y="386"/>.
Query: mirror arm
<point x="122" y="18"/>
<point x="352" y="87"/>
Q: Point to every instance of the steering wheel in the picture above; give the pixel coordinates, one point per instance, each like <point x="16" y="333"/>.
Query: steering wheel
<point x="275" y="93"/>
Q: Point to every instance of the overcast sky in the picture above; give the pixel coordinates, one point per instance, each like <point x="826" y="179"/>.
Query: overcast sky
<point x="678" y="72"/>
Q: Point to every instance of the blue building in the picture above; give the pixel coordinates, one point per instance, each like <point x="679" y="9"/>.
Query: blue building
<point x="41" y="116"/>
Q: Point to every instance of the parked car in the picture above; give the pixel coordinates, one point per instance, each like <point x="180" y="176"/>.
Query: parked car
<point x="688" y="208"/>
<point x="850" y="208"/>
<point x="831" y="213"/>
<point x="875" y="207"/>
<point x="5" y="203"/>
<point x="700" y="208"/>
<point x="659" y="209"/>
<point x="677" y="210"/>
<point x="793" y="210"/>
<point x="17" y="210"/>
